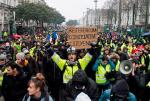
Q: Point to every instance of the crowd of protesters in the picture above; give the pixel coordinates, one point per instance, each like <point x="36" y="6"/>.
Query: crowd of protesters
<point x="46" y="68"/>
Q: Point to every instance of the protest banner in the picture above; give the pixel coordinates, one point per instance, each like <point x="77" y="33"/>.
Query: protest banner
<point x="81" y="37"/>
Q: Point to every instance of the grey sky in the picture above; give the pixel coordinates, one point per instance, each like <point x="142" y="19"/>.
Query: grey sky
<point x="73" y="9"/>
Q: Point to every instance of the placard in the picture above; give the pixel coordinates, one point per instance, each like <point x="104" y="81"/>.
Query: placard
<point x="81" y="37"/>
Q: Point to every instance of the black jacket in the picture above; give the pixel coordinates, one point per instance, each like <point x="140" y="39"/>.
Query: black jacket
<point x="90" y="87"/>
<point x="14" y="88"/>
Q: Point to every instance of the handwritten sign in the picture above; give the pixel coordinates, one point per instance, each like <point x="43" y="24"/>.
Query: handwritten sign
<point x="81" y="37"/>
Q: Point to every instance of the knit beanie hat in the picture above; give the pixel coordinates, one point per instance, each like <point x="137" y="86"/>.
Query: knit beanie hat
<point x="20" y="55"/>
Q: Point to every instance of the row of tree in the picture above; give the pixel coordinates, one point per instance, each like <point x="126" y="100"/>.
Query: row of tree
<point x="38" y="13"/>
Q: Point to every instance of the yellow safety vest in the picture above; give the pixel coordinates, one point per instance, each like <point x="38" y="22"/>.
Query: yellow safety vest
<point x="142" y="60"/>
<point x="117" y="66"/>
<point x="5" y="34"/>
<point x="149" y="62"/>
<point x="1" y="76"/>
<point x="100" y="74"/>
<point x="69" y="71"/>
<point x="32" y="51"/>
<point x="148" y="85"/>
<point x="130" y="49"/>
<point x="123" y="45"/>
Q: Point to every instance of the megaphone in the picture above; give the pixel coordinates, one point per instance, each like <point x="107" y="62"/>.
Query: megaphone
<point x="126" y="67"/>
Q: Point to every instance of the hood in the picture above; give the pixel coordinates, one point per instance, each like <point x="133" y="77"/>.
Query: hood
<point x="80" y="77"/>
<point x="120" y="88"/>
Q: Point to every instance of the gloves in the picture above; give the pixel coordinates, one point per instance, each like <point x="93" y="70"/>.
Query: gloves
<point x="95" y="49"/>
<point x="91" y="51"/>
<point x="50" y="51"/>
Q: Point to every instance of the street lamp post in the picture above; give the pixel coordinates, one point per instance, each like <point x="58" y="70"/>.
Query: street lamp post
<point x="83" y="19"/>
<point x="2" y="27"/>
<point x="87" y="18"/>
<point x="95" y="1"/>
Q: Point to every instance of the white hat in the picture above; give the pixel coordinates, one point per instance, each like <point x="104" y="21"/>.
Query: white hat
<point x="2" y="56"/>
<point x="20" y="55"/>
<point x="82" y="97"/>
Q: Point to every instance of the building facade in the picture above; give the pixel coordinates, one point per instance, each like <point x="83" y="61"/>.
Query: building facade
<point x="123" y="13"/>
<point x="6" y="13"/>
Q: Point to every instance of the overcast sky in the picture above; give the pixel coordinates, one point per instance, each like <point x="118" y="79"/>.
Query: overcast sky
<point x="73" y="9"/>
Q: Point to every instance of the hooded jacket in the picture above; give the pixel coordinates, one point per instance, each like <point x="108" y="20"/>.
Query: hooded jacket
<point x="120" y="89"/>
<point x="81" y="83"/>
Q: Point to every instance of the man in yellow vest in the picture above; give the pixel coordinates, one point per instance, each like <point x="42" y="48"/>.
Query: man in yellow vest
<point x="69" y="66"/>
<point x="72" y="64"/>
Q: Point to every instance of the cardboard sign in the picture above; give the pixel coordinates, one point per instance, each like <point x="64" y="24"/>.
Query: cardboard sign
<point x="81" y="37"/>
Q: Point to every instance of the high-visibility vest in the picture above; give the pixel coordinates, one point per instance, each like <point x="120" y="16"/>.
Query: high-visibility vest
<point x="130" y="48"/>
<point x="69" y="71"/>
<point x="100" y="74"/>
<point x="18" y="47"/>
<point x="123" y="45"/>
<point x="117" y="66"/>
<point x="148" y="85"/>
<point x="149" y="62"/>
<point x="142" y="60"/>
<point x="32" y="51"/>
<point x="5" y="34"/>
<point x="1" y="76"/>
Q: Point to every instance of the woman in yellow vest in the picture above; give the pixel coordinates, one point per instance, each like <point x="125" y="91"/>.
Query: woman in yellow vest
<point x="102" y="67"/>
